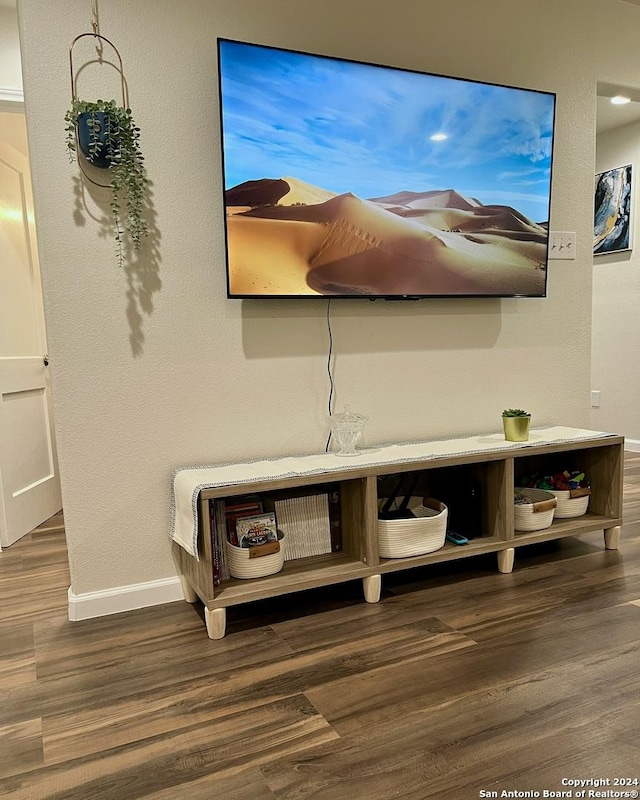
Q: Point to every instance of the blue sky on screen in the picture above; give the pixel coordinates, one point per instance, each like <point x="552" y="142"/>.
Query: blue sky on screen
<point x="350" y="127"/>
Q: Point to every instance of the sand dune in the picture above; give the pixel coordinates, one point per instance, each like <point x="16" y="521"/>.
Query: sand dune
<point x="502" y="218"/>
<point x="265" y="191"/>
<point x="448" y="198"/>
<point x="271" y="257"/>
<point x="432" y="243"/>
<point x="301" y="192"/>
<point x="281" y="191"/>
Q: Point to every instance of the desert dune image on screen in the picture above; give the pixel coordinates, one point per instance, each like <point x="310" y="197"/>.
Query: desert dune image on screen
<point x="348" y="179"/>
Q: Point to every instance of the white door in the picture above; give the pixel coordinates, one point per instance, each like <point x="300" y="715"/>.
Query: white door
<point x="29" y="482"/>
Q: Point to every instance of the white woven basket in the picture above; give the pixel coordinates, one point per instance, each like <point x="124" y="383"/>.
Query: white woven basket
<point x="536" y="515"/>
<point x="423" y="533"/>
<point x="241" y="565"/>
<point x="568" y="506"/>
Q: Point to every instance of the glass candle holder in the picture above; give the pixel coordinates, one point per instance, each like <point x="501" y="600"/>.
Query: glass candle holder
<point x="346" y="429"/>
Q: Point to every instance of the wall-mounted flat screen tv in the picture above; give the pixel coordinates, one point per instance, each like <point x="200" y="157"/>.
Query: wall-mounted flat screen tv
<point x="349" y="179"/>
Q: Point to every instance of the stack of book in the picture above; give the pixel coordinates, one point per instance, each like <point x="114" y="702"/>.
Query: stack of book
<point x="224" y="515"/>
<point x="218" y="535"/>
<point x="309" y="518"/>
<point x="236" y="508"/>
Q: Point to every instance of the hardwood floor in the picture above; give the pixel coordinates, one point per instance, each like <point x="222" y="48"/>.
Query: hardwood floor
<point x="460" y="680"/>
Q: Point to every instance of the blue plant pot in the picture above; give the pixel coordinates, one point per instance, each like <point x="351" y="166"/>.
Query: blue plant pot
<point x="89" y="132"/>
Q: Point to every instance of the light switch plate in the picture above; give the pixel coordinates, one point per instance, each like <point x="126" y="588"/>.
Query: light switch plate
<point x="562" y="245"/>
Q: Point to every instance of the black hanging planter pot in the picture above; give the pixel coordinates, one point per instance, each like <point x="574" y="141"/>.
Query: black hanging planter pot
<point x="94" y="130"/>
<point x="94" y="141"/>
<point x="103" y="134"/>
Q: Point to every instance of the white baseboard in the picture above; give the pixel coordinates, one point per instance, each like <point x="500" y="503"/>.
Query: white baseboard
<point x="633" y="445"/>
<point x="123" y="598"/>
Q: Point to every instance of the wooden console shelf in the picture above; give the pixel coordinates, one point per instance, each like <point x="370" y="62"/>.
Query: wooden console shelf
<point x="492" y="463"/>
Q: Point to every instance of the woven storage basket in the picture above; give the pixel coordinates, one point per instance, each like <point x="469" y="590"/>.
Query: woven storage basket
<point x="241" y="565"/>
<point x="568" y="506"/>
<point x="538" y="513"/>
<point x="423" y="533"/>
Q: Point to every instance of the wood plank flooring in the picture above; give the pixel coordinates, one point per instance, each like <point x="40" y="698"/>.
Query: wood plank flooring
<point x="460" y="680"/>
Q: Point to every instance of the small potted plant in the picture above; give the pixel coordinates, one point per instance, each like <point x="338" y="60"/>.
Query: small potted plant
<point x="515" y="422"/>
<point x="108" y="138"/>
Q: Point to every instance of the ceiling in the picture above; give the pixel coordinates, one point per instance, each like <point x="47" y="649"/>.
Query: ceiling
<point x="609" y="116"/>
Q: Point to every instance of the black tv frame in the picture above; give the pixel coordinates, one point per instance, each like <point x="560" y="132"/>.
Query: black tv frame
<point x="389" y="296"/>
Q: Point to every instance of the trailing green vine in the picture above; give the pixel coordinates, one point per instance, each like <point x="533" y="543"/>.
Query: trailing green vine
<point x="121" y="147"/>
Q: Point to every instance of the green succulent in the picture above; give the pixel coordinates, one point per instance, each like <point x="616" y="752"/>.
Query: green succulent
<point x="515" y="412"/>
<point x="126" y="169"/>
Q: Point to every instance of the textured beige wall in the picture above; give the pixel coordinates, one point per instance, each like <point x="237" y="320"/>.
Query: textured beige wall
<point x="153" y="368"/>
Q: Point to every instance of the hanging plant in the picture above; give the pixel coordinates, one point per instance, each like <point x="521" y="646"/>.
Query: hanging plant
<point x="108" y="138"/>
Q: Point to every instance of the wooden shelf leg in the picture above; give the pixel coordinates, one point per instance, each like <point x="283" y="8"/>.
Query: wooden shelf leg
<point x="372" y="586"/>
<point x="505" y="559"/>
<point x="216" y="622"/>
<point x="189" y="594"/>
<point x="612" y="537"/>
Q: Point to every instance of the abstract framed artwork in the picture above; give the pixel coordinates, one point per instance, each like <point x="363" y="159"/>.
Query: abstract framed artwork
<point x="612" y="221"/>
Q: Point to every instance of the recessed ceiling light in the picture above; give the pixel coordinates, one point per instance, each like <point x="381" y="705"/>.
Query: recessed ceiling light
<point x="438" y="137"/>
<point x="619" y="100"/>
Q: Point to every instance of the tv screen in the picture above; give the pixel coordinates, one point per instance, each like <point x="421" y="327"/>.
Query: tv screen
<point x="349" y="179"/>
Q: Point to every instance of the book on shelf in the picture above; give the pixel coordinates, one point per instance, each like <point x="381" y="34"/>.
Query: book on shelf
<point x="257" y="529"/>
<point x="217" y="535"/>
<point x="309" y="518"/>
<point x="215" y="553"/>
<point x="335" y="517"/>
<point x="221" y="533"/>
<point x="238" y="507"/>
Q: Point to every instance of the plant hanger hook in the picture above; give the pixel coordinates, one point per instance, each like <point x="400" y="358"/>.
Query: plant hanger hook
<point x="95" y="23"/>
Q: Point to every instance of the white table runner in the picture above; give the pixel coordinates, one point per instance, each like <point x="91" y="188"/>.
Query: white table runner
<point x="188" y="481"/>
